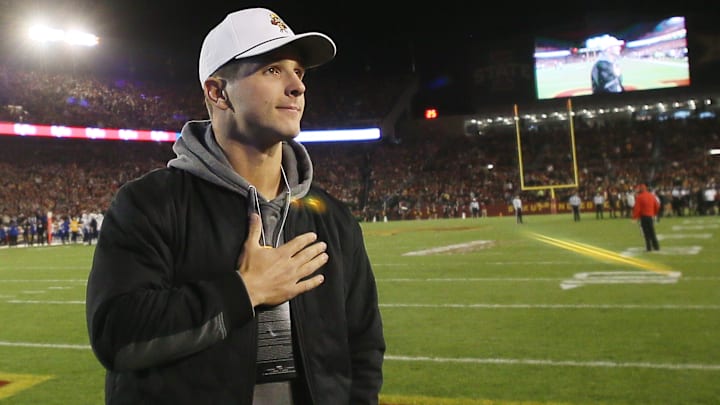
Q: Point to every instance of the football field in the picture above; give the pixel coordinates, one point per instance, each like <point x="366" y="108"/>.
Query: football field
<point x="476" y="312"/>
<point x="573" y="79"/>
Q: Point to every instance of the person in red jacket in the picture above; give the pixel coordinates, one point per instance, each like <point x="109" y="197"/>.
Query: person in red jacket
<point x="645" y="210"/>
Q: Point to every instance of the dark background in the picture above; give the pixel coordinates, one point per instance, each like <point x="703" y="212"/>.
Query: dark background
<point x="467" y="55"/>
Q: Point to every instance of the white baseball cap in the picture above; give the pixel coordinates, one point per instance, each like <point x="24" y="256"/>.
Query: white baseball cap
<point x="603" y="42"/>
<point x="256" y="31"/>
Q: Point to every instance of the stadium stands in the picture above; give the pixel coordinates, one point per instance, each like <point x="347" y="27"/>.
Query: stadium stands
<point x="406" y="176"/>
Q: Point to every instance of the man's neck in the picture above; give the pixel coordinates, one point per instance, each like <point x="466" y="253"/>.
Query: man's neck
<point x="261" y="169"/>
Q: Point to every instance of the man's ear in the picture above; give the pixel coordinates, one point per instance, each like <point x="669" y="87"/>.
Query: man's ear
<point x="215" y="92"/>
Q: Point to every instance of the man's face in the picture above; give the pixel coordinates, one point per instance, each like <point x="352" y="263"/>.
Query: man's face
<point x="268" y="98"/>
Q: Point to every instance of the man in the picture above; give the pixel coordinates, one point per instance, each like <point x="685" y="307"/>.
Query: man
<point x="474" y="207"/>
<point x="517" y="206"/>
<point x="709" y="199"/>
<point x="599" y="202"/>
<point x="575" y="202"/>
<point x="606" y="75"/>
<point x="629" y="202"/>
<point x="645" y="210"/>
<point x="227" y="278"/>
<point x="613" y="201"/>
<point x="41" y="221"/>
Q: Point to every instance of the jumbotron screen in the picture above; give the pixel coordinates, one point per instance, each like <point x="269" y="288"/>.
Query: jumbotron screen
<point x="614" y="59"/>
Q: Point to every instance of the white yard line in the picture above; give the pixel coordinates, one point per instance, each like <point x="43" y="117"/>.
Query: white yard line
<point x="476" y="306"/>
<point x="560" y="363"/>
<point x="507" y="279"/>
<point x="44" y="345"/>
<point x="496" y="263"/>
<point x="470" y="360"/>
<point x="51" y="302"/>
<point x="43" y="281"/>
<point x="557" y="306"/>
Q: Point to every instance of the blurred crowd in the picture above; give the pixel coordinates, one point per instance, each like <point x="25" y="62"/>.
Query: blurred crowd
<point x="408" y="176"/>
<point x="42" y="97"/>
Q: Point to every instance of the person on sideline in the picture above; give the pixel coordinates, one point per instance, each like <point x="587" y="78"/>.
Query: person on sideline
<point x="645" y="210"/>
<point x="599" y="202"/>
<point x="474" y="207"/>
<point x="575" y="202"/>
<point x="228" y="277"/>
<point x="629" y="203"/>
<point x="517" y="207"/>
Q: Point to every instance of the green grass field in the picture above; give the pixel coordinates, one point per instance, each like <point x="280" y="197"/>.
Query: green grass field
<point x="573" y="79"/>
<point x="476" y="311"/>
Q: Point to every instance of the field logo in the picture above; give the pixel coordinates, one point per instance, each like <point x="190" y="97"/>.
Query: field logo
<point x="665" y="251"/>
<point x="602" y="254"/>
<point x="11" y="384"/>
<point x="684" y="236"/>
<point x="620" y="277"/>
<point x="457" y="248"/>
<point x="654" y="272"/>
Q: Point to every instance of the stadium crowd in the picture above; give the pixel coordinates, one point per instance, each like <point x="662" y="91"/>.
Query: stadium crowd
<point x="108" y="102"/>
<point x="408" y="176"/>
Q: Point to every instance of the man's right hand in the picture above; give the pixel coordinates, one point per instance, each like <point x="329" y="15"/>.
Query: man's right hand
<point x="275" y="275"/>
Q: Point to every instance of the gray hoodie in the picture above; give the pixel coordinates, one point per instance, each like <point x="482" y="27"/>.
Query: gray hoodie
<point x="198" y="152"/>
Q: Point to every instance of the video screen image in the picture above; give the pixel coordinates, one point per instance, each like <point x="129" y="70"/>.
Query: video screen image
<point x="641" y="56"/>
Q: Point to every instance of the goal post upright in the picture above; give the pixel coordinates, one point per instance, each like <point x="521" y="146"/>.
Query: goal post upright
<point x="551" y="187"/>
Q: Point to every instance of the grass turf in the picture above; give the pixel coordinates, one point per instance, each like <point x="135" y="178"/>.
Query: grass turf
<point x="476" y="312"/>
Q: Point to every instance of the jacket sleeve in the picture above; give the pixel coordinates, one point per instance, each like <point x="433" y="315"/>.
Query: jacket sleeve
<point x="637" y="207"/>
<point x="138" y="315"/>
<point x="367" y="343"/>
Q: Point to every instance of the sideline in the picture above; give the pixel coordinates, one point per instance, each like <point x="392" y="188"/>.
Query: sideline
<point x="471" y="360"/>
<point x="561" y="363"/>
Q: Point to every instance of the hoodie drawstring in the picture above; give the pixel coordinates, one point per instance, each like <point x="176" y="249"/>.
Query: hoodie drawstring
<point x="254" y="206"/>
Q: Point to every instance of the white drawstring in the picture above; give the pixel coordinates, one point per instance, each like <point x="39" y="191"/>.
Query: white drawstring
<point x="256" y="201"/>
<point x="287" y="206"/>
<point x="254" y="196"/>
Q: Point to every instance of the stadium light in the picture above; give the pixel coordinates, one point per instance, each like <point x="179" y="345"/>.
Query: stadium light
<point x="59" y="131"/>
<point x="44" y="33"/>
<point x="431" y="113"/>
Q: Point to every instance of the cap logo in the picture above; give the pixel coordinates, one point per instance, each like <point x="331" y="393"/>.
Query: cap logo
<point x="276" y="20"/>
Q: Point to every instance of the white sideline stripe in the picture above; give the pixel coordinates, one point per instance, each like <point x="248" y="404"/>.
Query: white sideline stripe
<point x="44" y="345"/>
<point x="43" y="302"/>
<point x="555" y="306"/>
<point x="561" y="363"/>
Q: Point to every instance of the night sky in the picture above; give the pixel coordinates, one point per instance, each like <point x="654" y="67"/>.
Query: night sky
<point x="371" y="34"/>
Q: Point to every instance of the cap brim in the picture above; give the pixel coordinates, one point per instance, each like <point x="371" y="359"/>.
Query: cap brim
<point x="315" y="48"/>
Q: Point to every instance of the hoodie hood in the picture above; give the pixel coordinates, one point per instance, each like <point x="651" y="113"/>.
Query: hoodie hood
<point x="198" y="152"/>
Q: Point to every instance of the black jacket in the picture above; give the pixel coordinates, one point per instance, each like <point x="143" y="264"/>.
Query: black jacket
<point x="605" y="78"/>
<point x="171" y="320"/>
